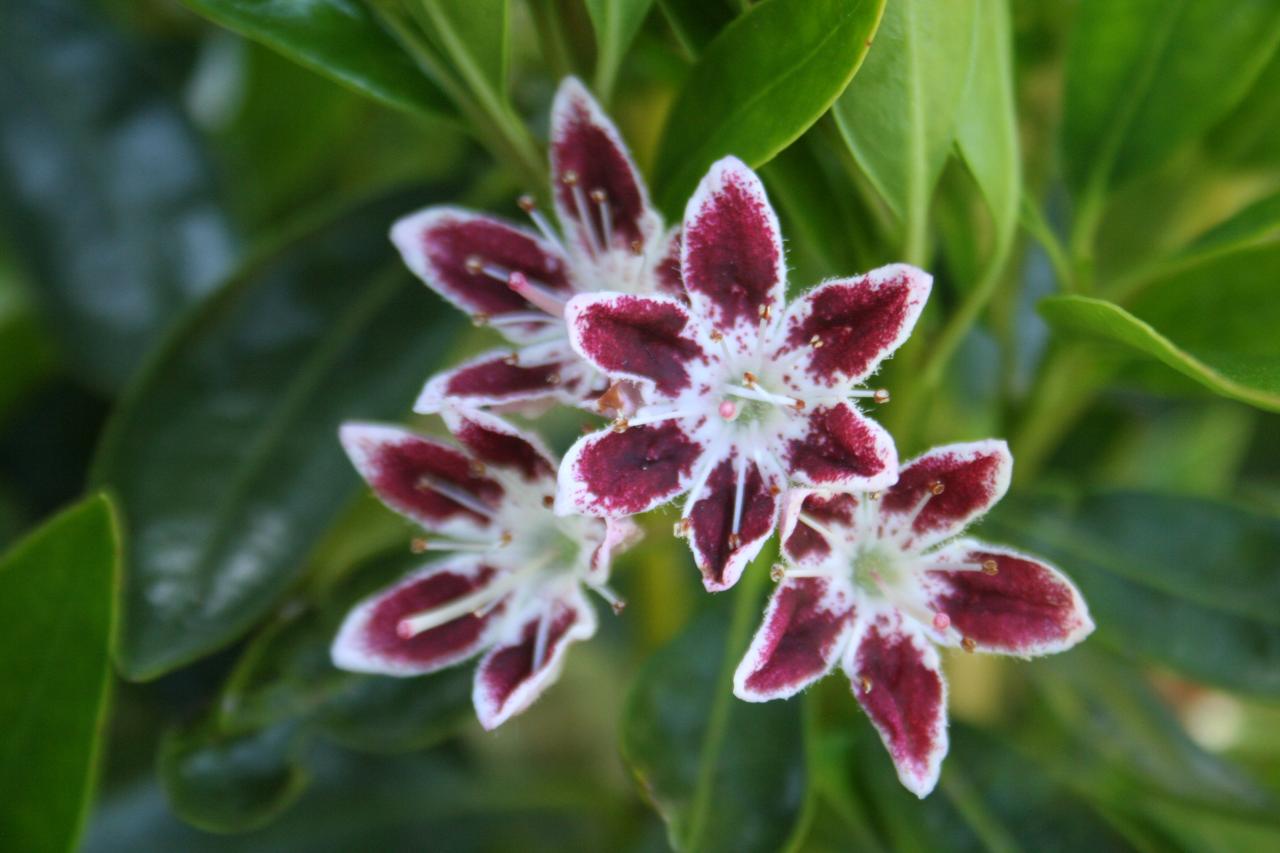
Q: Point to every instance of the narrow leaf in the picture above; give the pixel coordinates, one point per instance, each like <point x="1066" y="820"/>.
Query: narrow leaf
<point x="899" y="115"/>
<point x="616" y="23"/>
<point x="1145" y="76"/>
<point x="761" y="83"/>
<point x="57" y="615"/>
<point x="338" y="38"/>
<point x="225" y="452"/>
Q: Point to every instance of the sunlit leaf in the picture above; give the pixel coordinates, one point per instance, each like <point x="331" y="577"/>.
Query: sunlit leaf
<point x="761" y="83"/>
<point x="57" y="614"/>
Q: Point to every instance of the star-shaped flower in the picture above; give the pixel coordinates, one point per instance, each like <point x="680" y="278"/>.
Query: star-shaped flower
<point x="742" y="394"/>
<point x="876" y="581"/>
<point x="514" y="583"/>
<point x="517" y="280"/>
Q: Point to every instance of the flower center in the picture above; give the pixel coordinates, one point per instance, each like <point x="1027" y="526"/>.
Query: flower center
<point x="874" y="570"/>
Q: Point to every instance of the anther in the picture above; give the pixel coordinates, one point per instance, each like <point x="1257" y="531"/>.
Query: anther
<point x="611" y="399"/>
<point x="618" y="606"/>
<point x="937" y="487"/>
<point x="620" y="425"/>
<point x="775" y="489"/>
<point x="875" y="496"/>
<point x="681" y="528"/>
<point x="990" y="567"/>
<point x="777" y="573"/>
<point x="477" y="468"/>
<point x="505" y="539"/>
<point x="968" y="645"/>
<point x="716" y="336"/>
<point x="479" y="319"/>
<point x="798" y="405"/>
<point x="815" y="342"/>
<point x="418" y="545"/>
<point x="865" y="683"/>
<point x="748" y="379"/>
<point x="548" y="501"/>
<point x="527" y="204"/>
<point x="728" y="410"/>
<point x="569" y="178"/>
<point x="553" y="378"/>
<point x="735" y="541"/>
<point x="513" y="359"/>
<point x="881" y="396"/>
<point x="597" y="195"/>
<point x="474" y="264"/>
<point x="766" y="311"/>
<point x="941" y="621"/>
<point x="637" y="247"/>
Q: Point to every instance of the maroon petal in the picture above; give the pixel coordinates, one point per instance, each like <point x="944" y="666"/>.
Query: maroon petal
<point x="837" y="512"/>
<point x="844" y="329"/>
<point x="805" y="628"/>
<point x="504" y="378"/>
<point x="451" y="249"/>
<point x="839" y="448"/>
<point x="895" y="674"/>
<point x="732" y="261"/>
<point x="431" y="483"/>
<point x="941" y="491"/>
<point x="511" y="676"/>
<point x="1006" y="602"/>
<point x="720" y="553"/>
<point x="370" y="639"/>
<point x="591" y="169"/>
<point x="495" y="442"/>
<point x="667" y="270"/>
<point x="646" y="339"/>
<point x="611" y="473"/>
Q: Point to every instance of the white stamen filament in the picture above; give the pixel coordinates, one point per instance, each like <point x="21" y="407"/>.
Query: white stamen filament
<point x="909" y="524"/>
<point x="606" y="216"/>
<point x="760" y="394"/>
<point x="738" y="492"/>
<point x="411" y="626"/>
<point x="580" y="202"/>
<point x="699" y="483"/>
<point x="617" y="602"/>
<point x="454" y="545"/>
<point x="538" y="295"/>
<point x="519" y="318"/>
<point x="642" y="420"/>
<point x="540" y="222"/>
<point x="818" y="527"/>
<point x="459" y="496"/>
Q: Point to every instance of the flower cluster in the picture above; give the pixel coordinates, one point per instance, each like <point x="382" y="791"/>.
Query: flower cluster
<point x="718" y="390"/>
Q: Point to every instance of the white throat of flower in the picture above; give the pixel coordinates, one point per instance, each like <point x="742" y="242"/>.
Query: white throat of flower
<point x="884" y="563"/>
<point x="538" y="555"/>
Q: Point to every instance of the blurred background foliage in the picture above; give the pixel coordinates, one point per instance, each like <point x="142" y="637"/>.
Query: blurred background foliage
<point x="196" y="288"/>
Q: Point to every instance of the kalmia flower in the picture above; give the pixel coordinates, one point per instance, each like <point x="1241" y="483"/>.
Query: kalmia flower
<point x="742" y="395"/>
<point x="517" y="280"/>
<point x="514" y="583"/>
<point x="876" y="581"/>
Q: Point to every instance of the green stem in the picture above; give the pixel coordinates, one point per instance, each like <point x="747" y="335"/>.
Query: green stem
<point x="1033" y="221"/>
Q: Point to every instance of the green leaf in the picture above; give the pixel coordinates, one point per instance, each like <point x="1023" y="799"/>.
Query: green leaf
<point x="1185" y="582"/>
<point x="225" y="454"/>
<point x="616" y="23"/>
<point x="1214" y="322"/>
<point x="338" y="38"/>
<point x="473" y="34"/>
<point x="1254" y="225"/>
<point x="231" y="784"/>
<point x="105" y="189"/>
<point x="696" y="22"/>
<point x="986" y="122"/>
<point x="1250" y="136"/>
<point x="761" y="83"/>
<point x="899" y="115"/>
<point x="57" y="615"/>
<point x="1146" y="76"/>
<point x="723" y="773"/>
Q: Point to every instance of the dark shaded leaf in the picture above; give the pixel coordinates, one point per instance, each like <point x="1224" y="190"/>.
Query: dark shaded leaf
<point x="225" y="454"/>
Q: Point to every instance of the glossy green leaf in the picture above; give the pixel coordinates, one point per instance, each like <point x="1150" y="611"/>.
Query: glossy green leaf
<point x="57" y="614"/>
<point x="1253" y="225"/>
<point x="231" y="784"/>
<point x="224" y="453"/>
<point x="338" y="38"/>
<point x="761" y="83"/>
<point x="615" y="23"/>
<point x="899" y="115"/>
<point x="104" y="188"/>
<point x="723" y="773"/>
<point x="1214" y="321"/>
<point x="1113" y="733"/>
<point x="1146" y="76"/>
<point x="986" y="122"/>
<point x="1185" y="582"/>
